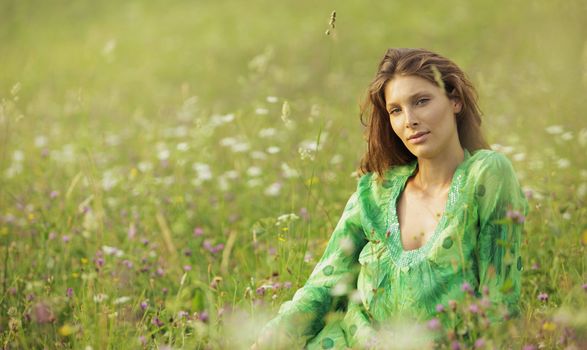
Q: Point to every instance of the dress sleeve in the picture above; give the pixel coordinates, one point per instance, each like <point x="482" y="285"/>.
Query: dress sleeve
<point x="502" y="208"/>
<point x="335" y="275"/>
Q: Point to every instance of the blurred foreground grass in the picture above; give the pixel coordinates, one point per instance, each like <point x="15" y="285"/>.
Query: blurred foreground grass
<point x="152" y="153"/>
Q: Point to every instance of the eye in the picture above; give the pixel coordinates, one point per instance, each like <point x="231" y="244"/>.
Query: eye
<point x="422" y="101"/>
<point x="394" y="111"/>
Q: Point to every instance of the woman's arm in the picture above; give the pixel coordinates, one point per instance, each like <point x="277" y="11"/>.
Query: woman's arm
<point x="302" y="317"/>
<point x="502" y="208"/>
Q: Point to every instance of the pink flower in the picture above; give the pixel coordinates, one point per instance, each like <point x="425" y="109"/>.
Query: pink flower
<point x="543" y="297"/>
<point x="439" y="308"/>
<point x="474" y="308"/>
<point x="434" y="324"/>
<point x="198" y="231"/>
<point x="480" y="343"/>
<point x="515" y="216"/>
<point x="466" y="287"/>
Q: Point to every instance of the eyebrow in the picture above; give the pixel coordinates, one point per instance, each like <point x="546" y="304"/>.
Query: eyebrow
<point x="411" y="98"/>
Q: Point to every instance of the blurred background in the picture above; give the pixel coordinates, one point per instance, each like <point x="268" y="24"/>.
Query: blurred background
<point x="179" y="133"/>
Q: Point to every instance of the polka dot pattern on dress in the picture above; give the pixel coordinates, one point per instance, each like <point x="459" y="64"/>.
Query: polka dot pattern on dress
<point x="327" y="343"/>
<point x="447" y="243"/>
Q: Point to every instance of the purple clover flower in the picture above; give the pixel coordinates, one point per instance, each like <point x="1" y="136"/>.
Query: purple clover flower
<point x="474" y="308"/>
<point x="466" y="287"/>
<point x="198" y="231"/>
<point x="203" y="316"/>
<point x="480" y="343"/>
<point x="434" y="324"/>
<point x="69" y="292"/>
<point x="440" y="308"/>
<point x="455" y="345"/>
<point x="543" y="297"/>
<point x="260" y="291"/>
<point x="157" y="322"/>
<point x="187" y="268"/>
<point x="144" y="305"/>
<point x="515" y="216"/>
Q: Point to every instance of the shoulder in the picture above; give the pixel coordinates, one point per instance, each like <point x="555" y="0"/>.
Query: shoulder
<point x="490" y="163"/>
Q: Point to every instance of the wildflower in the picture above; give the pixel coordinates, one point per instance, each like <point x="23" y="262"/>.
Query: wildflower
<point x="261" y="111"/>
<point x="127" y="263"/>
<point x="466" y="287"/>
<point x="65" y="239"/>
<point x="143" y="340"/>
<point x="100" y="297"/>
<point x="543" y="297"/>
<point x="304" y="213"/>
<point x="187" y="268"/>
<point x="455" y="345"/>
<point x="273" y="150"/>
<point x="287" y="285"/>
<point x="268" y="132"/>
<point x="439" y="308"/>
<point x="157" y="322"/>
<point x="480" y="343"/>
<point x="273" y="189"/>
<point x="515" y="216"/>
<point x="53" y="194"/>
<point x="99" y="262"/>
<point x="203" y="316"/>
<point x="554" y="129"/>
<point x="182" y="314"/>
<point x="434" y="324"/>
<point x="584" y="286"/>
<point x="485" y="290"/>
<point x="42" y="313"/>
<point x="121" y="300"/>
<point x="160" y="272"/>
<point x="260" y="291"/>
<point x="144" y="305"/>
<point x="198" y="231"/>
<point x="69" y="292"/>
<point x="474" y="308"/>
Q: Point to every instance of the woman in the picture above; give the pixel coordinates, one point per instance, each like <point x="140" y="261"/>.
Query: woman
<point x="436" y="214"/>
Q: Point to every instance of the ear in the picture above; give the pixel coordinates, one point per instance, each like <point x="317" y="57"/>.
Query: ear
<point x="457" y="105"/>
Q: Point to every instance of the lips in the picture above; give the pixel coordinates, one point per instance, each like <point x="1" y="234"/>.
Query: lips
<point x="418" y="134"/>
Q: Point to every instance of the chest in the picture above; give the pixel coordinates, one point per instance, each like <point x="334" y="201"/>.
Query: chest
<point x="418" y="217"/>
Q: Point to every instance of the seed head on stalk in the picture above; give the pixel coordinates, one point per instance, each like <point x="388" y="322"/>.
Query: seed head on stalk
<point x="331" y="22"/>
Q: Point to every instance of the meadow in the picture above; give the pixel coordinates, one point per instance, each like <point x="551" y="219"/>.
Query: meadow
<point x="170" y="171"/>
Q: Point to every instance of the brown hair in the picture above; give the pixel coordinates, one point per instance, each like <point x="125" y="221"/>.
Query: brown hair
<point x="385" y="149"/>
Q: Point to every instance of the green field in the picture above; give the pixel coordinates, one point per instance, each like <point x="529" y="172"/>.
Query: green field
<point x="151" y="151"/>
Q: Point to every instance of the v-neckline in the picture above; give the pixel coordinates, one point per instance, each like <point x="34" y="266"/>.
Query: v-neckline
<point x="404" y="258"/>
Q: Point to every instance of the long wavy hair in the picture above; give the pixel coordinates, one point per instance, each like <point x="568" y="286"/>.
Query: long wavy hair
<point x="385" y="149"/>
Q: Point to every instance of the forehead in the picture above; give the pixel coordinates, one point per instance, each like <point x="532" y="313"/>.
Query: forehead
<point x="401" y="88"/>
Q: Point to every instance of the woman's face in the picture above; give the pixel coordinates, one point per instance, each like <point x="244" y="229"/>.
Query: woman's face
<point x="422" y="116"/>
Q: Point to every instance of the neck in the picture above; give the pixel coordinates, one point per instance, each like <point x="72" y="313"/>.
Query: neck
<point x="435" y="174"/>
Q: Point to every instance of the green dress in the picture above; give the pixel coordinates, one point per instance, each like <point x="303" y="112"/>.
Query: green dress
<point x="367" y="275"/>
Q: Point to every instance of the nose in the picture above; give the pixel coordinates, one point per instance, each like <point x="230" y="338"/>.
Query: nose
<point x="411" y="118"/>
